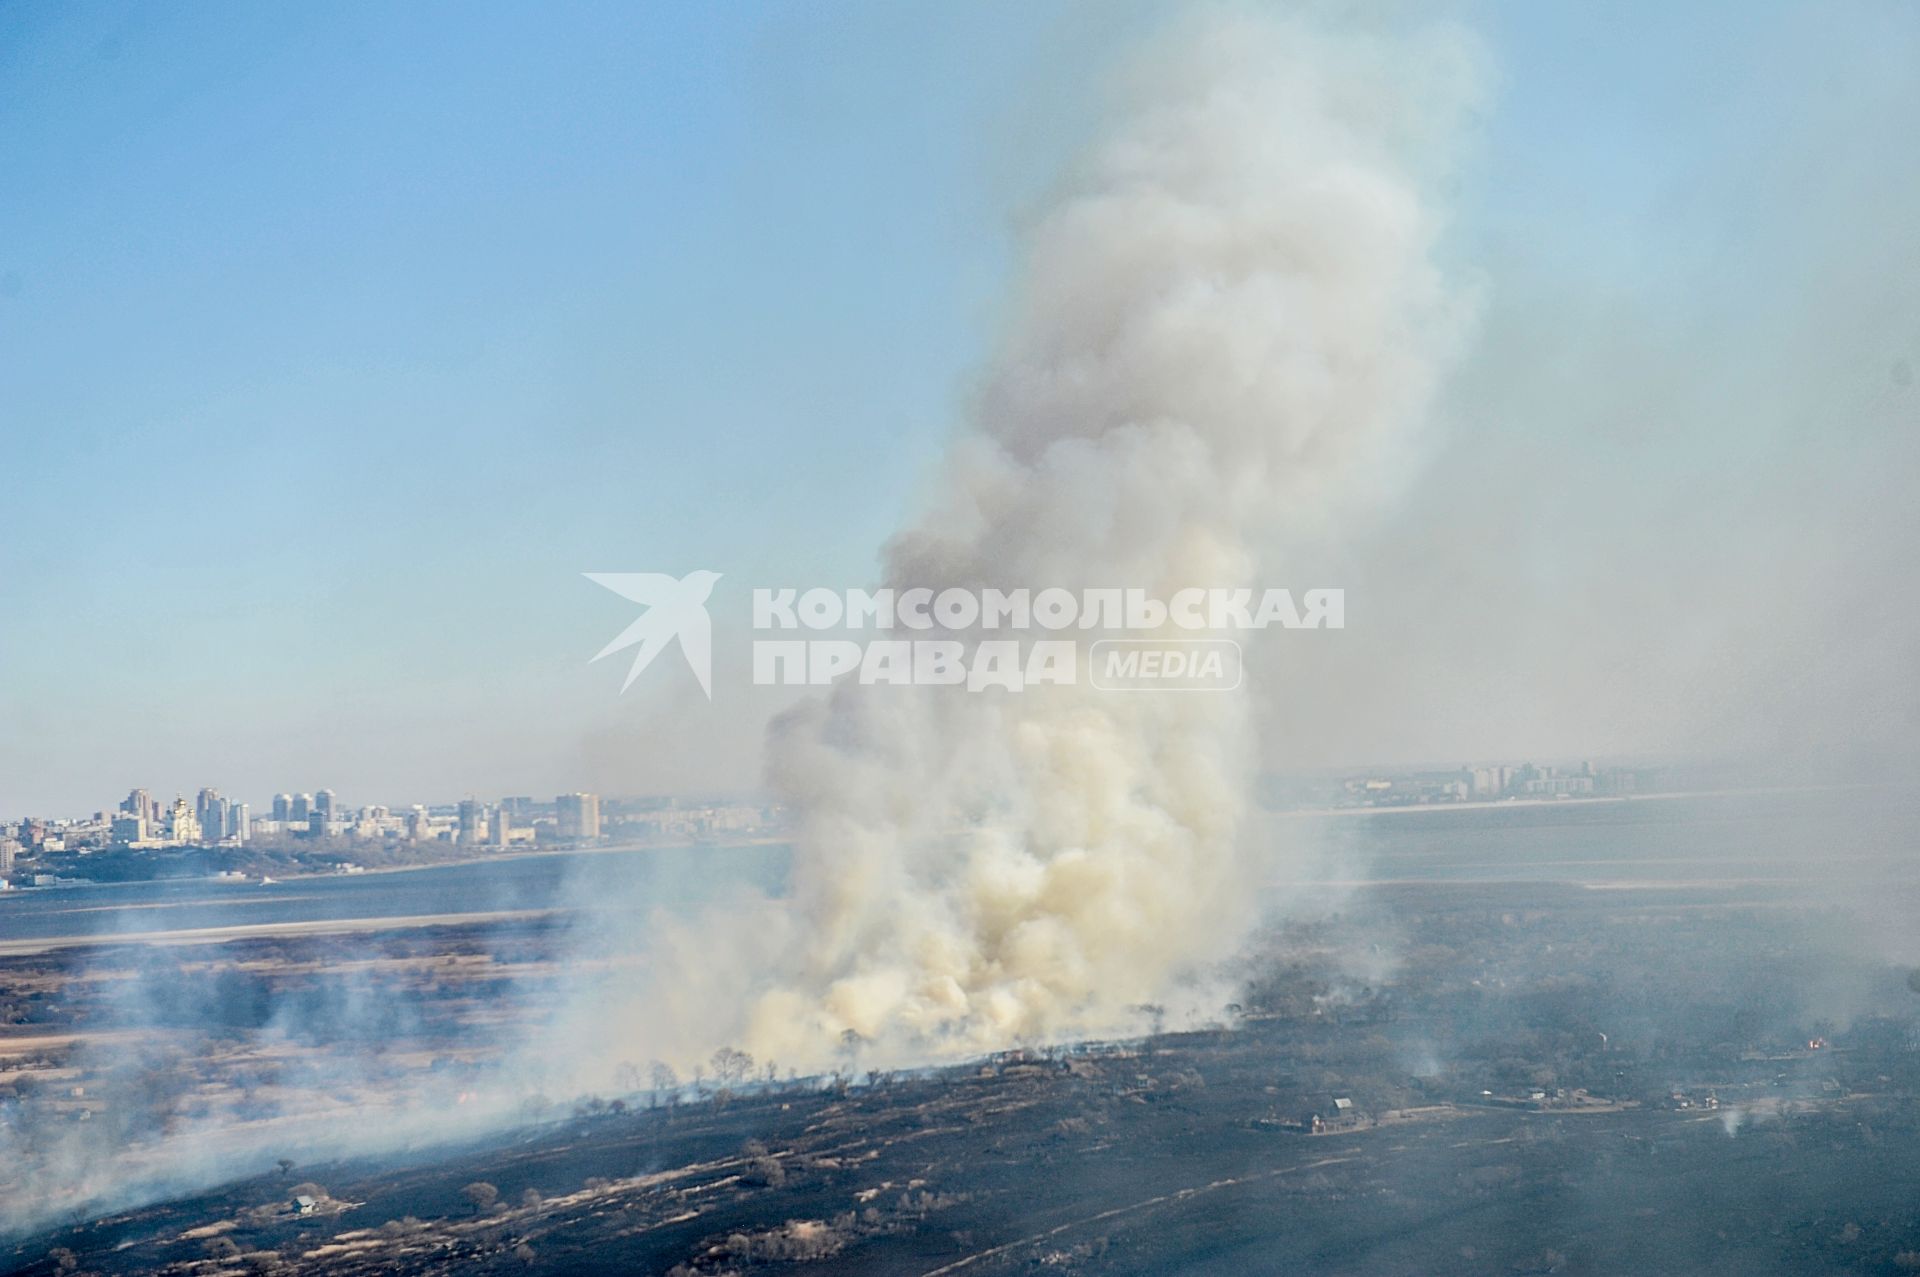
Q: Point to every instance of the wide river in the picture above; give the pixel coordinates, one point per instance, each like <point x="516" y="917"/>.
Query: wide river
<point x="1807" y="843"/>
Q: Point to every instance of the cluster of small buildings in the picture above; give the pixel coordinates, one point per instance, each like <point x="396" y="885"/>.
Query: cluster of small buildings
<point x="1487" y="783"/>
<point x="670" y="820"/>
<point x="1340" y="1116"/>
<point x="569" y="818"/>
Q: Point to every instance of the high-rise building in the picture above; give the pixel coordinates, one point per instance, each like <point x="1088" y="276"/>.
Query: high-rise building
<point x="302" y="808"/>
<point x="140" y="803"/>
<point x="323" y="802"/>
<point x="501" y="826"/>
<point x="419" y="824"/>
<point x="579" y="816"/>
<point x="473" y="821"/>
<point x="204" y="803"/>
<point x="239" y="822"/>
<point x="283" y="807"/>
<point x="213" y="817"/>
<point x="129" y="829"/>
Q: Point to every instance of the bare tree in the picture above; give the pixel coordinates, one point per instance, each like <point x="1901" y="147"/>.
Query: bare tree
<point x="731" y="1066"/>
<point x="665" y="1082"/>
<point x="481" y="1195"/>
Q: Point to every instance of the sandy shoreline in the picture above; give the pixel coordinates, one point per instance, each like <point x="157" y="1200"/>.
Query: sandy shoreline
<point x="252" y="930"/>
<point x="294" y="875"/>
<point x="1598" y="800"/>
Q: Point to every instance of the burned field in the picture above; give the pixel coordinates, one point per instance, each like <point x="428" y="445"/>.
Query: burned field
<point x="129" y="1070"/>
<point x="1541" y="1079"/>
<point x="1119" y="1163"/>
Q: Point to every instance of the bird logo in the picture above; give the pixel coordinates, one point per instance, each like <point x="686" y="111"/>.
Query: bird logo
<point x="675" y="609"/>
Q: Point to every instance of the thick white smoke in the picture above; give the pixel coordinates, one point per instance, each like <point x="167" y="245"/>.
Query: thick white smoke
<point x="1229" y="326"/>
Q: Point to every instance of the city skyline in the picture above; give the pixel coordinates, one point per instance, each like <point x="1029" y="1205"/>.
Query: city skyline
<point x="308" y="832"/>
<point x="1510" y="775"/>
<point x="298" y="805"/>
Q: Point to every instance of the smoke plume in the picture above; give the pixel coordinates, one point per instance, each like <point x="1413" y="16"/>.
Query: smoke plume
<point x="1229" y="325"/>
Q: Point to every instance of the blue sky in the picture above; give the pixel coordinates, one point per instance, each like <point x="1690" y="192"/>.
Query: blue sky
<point x="337" y="340"/>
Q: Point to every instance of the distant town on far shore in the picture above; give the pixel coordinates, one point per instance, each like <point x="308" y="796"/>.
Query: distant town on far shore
<point x="144" y="837"/>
